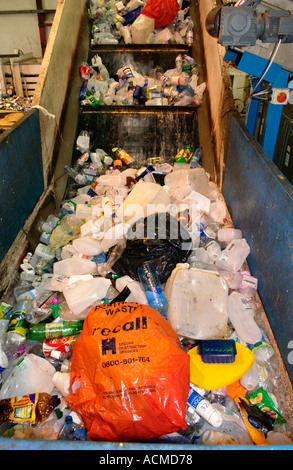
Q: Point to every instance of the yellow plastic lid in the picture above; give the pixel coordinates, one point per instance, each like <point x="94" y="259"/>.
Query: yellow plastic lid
<point x="214" y="376"/>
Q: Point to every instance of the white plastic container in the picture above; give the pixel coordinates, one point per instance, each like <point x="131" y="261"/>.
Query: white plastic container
<point x="198" y="302"/>
<point x="87" y="210"/>
<point x="203" y="203"/>
<point x="141" y="28"/>
<point x="61" y="381"/>
<point x="137" y="294"/>
<point x="74" y="265"/>
<point x="234" y="255"/>
<point x="111" y="180"/>
<point x="83" y="294"/>
<point x="195" y="178"/>
<point x="68" y="251"/>
<point x="144" y="199"/>
<point x="241" y="316"/>
<point x="112" y="236"/>
<point x="44" y="252"/>
<point x="88" y="246"/>
<point x="227" y="234"/>
<point x="91" y="227"/>
<point x="32" y="374"/>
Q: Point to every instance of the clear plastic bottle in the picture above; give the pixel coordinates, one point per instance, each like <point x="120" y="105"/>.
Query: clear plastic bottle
<point x="66" y="230"/>
<point x="3" y="359"/>
<point x="153" y="289"/>
<point x="77" y="177"/>
<point x="204" y="408"/>
<point x="263" y="353"/>
<point x="115" y="254"/>
<point x="213" y="250"/>
<point x="83" y="141"/>
<point x="97" y="62"/>
<point x="72" y="431"/>
<point x="196" y="158"/>
<point x="179" y="63"/>
<point x="16" y="333"/>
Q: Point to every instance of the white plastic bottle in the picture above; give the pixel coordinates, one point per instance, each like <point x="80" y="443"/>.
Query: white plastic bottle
<point x="241" y="316"/>
<point x="125" y="32"/>
<point x="137" y="293"/>
<point x="250" y="380"/>
<point x="141" y="28"/>
<point x="234" y="255"/>
<point x="83" y="294"/>
<point x="61" y="380"/>
<point x="227" y="234"/>
<point x="204" y="408"/>
<point x="87" y="246"/>
<point x="74" y="265"/>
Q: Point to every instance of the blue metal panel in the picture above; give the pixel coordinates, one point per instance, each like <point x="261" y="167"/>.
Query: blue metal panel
<point x="124" y="448"/>
<point x="260" y="200"/>
<point x="21" y="176"/>
<point x="255" y="65"/>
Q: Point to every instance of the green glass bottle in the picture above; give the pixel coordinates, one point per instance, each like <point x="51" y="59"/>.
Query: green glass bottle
<point x="42" y="331"/>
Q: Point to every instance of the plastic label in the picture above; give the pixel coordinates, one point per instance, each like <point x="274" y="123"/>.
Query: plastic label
<point x="17" y="324"/>
<point x="23" y="408"/>
<point x="194" y="398"/>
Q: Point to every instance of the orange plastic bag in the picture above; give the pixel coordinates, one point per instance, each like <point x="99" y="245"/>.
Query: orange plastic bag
<point x="129" y="374"/>
<point x="163" y="11"/>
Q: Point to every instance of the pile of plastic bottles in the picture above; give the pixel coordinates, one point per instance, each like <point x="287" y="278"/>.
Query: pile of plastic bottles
<point x="71" y="270"/>
<point x="117" y="22"/>
<point x="174" y="87"/>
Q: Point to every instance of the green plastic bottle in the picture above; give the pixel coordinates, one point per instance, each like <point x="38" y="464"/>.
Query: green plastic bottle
<point x="42" y="331"/>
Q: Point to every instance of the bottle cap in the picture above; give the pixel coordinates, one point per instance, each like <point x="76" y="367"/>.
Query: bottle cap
<point x="56" y="354"/>
<point x="58" y="413"/>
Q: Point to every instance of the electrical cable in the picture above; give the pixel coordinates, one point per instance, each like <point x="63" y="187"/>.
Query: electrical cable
<point x="268" y="66"/>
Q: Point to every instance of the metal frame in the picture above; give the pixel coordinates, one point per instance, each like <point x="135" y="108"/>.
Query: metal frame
<point x="278" y="78"/>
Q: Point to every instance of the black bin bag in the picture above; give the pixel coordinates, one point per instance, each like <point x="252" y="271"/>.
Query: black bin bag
<point x="159" y="239"/>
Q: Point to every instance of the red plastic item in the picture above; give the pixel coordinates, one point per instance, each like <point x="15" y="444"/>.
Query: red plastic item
<point x="163" y="11"/>
<point x="130" y="375"/>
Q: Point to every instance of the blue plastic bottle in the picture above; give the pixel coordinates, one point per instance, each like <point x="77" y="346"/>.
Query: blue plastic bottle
<point x="71" y="431"/>
<point x="153" y="289"/>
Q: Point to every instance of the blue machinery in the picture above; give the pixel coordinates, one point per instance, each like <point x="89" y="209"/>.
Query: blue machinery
<point x="278" y="78"/>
